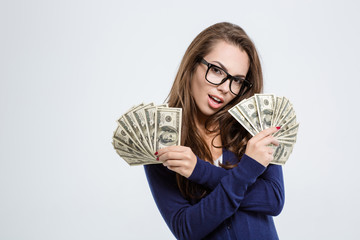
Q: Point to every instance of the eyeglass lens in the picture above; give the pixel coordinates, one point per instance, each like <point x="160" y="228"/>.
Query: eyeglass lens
<point x="216" y="75"/>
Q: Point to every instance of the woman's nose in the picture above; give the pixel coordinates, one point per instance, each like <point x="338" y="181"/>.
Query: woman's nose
<point x="225" y="86"/>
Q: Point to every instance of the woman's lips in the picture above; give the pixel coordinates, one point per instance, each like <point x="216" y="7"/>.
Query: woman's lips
<point x="214" y="101"/>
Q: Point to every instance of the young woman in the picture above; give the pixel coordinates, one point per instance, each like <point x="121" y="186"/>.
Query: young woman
<point x="218" y="184"/>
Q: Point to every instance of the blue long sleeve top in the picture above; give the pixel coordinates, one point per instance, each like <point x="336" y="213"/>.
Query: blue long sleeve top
<point x="240" y="205"/>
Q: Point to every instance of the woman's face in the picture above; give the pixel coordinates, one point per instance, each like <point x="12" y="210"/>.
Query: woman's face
<point x="210" y="98"/>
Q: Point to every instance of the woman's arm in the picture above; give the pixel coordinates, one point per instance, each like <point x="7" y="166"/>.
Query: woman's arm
<point x="266" y="195"/>
<point x="188" y="221"/>
<point x="207" y="174"/>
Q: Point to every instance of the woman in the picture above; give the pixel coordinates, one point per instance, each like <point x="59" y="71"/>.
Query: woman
<point x="218" y="184"/>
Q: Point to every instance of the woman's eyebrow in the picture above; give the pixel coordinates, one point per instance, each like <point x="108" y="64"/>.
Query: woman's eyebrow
<point x="223" y="67"/>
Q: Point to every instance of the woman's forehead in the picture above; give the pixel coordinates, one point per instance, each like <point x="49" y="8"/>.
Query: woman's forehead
<point x="232" y="57"/>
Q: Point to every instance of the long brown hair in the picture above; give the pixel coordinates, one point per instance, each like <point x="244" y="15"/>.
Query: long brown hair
<point x="233" y="136"/>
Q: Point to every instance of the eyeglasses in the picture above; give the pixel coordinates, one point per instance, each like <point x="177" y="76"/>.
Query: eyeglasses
<point x="217" y="76"/>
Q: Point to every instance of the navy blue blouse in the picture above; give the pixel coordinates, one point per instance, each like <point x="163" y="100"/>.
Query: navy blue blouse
<point x="240" y="206"/>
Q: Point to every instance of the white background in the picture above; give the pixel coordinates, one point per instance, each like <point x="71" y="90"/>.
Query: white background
<point x="70" y="68"/>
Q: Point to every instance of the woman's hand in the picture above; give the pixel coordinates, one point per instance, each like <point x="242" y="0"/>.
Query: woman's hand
<point x="258" y="149"/>
<point x="179" y="159"/>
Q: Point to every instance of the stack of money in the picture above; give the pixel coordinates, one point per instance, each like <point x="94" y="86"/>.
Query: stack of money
<point x="262" y="111"/>
<point x="144" y="129"/>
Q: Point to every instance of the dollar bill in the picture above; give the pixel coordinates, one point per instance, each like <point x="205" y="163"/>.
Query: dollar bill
<point x="140" y="138"/>
<point x="119" y="145"/>
<point x="290" y="140"/>
<point x="146" y="160"/>
<point x="293" y="135"/>
<point x="286" y="116"/>
<point x="122" y="135"/>
<point x="134" y="160"/>
<point x="267" y="110"/>
<point x="168" y="127"/>
<point x="248" y="109"/>
<point x="287" y="125"/>
<point x="282" y="153"/>
<point x="130" y="133"/>
<point x="131" y="156"/>
<point x="150" y="120"/>
<point x="150" y="116"/>
<point x="282" y="111"/>
<point x="132" y="137"/>
<point x="140" y="118"/>
<point x="288" y="132"/>
<point x="276" y="106"/>
<point x="265" y="107"/>
<point x="242" y="120"/>
<point x="279" y="103"/>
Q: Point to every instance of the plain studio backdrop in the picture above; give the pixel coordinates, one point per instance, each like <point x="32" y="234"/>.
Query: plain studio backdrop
<point x="69" y="69"/>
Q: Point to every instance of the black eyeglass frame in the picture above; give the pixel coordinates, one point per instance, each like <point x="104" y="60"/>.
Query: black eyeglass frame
<point x="228" y="76"/>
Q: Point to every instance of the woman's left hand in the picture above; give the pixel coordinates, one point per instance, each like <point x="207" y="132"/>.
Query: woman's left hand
<point x="179" y="159"/>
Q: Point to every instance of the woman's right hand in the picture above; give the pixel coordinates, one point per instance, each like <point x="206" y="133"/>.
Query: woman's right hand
<point x="258" y="149"/>
<point x="179" y="159"/>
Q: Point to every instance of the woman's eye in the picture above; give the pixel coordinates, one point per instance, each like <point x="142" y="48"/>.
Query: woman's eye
<point x="217" y="71"/>
<point x="238" y="80"/>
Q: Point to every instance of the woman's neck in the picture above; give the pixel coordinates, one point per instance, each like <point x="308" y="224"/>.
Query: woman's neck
<point x="200" y="122"/>
<point x="212" y="138"/>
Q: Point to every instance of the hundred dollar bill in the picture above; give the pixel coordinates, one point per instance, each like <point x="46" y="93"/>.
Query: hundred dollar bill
<point x="241" y="119"/>
<point x="276" y="106"/>
<point x="130" y="132"/>
<point x="287" y="140"/>
<point x="288" y="132"/>
<point x="280" y="105"/>
<point x="265" y="105"/>
<point x="121" y="135"/>
<point x="249" y="111"/>
<point x="139" y="116"/>
<point x="286" y="116"/>
<point x="134" y="137"/>
<point x="286" y="126"/>
<point x="119" y="145"/>
<point x="131" y="156"/>
<point x="168" y="127"/>
<point x="293" y="135"/>
<point x="282" y="153"/>
<point x="150" y="114"/>
<point x="128" y="157"/>
<point x="282" y="111"/>
<point x="150" y="120"/>
<point x="267" y="110"/>
<point x="279" y="101"/>
<point x="131" y="121"/>
<point x="134" y="161"/>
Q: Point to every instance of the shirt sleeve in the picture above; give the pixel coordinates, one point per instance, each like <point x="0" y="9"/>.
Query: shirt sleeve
<point x="207" y="174"/>
<point x="186" y="221"/>
<point x="265" y="196"/>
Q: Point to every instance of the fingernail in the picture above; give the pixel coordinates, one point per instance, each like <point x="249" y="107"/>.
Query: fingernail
<point x="278" y="128"/>
<point x="156" y="153"/>
<point x="157" y="159"/>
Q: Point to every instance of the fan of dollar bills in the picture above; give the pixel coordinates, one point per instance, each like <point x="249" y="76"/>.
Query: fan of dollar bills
<point x="262" y="111"/>
<point x="143" y="129"/>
